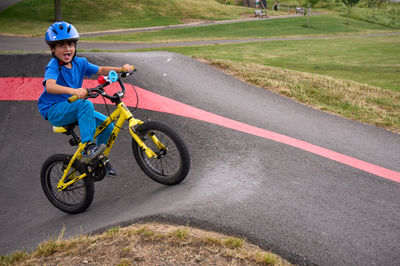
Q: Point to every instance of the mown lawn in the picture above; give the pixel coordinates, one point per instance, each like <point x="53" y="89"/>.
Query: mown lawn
<point x="355" y="77"/>
<point x="370" y="60"/>
<point x="294" y="26"/>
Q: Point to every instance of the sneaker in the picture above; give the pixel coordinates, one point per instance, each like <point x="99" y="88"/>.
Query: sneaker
<point x="110" y="170"/>
<point x="92" y="151"/>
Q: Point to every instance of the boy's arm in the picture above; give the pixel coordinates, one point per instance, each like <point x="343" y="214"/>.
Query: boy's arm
<point x="103" y="70"/>
<point x="53" y="88"/>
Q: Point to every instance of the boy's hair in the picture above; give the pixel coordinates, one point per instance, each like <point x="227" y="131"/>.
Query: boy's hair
<point x="53" y="44"/>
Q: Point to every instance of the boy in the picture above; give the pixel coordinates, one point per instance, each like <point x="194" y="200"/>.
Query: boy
<point x="63" y="78"/>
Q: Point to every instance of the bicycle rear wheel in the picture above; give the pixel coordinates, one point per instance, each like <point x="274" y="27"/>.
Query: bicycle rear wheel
<point x="172" y="164"/>
<point x="75" y="198"/>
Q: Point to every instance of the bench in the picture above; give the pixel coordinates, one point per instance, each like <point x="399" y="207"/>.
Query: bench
<point x="259" y="13"/>
<point x="299" y="10"/>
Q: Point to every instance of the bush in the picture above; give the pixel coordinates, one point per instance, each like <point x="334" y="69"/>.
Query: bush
<point x="387" y="14"/>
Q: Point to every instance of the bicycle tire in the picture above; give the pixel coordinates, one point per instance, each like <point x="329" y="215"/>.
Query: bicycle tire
<point x="74" y="199"/>
<point x="173" y="164"/>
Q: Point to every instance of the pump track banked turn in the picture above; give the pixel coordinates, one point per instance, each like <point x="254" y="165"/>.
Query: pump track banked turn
<point x="313" y="187"/>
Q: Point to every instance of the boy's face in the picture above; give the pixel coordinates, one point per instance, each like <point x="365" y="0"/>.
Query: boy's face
<point x="64" y="51"/>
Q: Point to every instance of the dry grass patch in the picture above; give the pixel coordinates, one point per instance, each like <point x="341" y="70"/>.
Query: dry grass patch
<point x="147" y="244"/>
<point x="352" y="100"/>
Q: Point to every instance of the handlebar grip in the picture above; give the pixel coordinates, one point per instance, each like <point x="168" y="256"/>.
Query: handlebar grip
<point x="125" y="70"/>
<point x="73" y="98"/>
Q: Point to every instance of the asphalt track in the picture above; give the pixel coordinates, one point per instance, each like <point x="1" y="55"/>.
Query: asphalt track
<point x="252" y="174"/>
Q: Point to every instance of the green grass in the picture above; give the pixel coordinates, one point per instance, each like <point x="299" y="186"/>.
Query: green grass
<point x="295" y="26"/>
<point x="370" y="60"/>
<point x="388" y="14"/>
<point x="181" y="234"/>
<point x="384" y="16"/>
<point x="32" y="17"/>
<point x="357" y="101"/>
<point x="234" y="242"/>
<point x="300" y="69"/>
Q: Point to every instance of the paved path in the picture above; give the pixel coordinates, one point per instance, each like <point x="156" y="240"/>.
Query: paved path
<point x="7" y="3"/>
<point x="308" y="208"/>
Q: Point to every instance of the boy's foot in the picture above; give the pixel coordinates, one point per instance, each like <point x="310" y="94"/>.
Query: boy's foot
<point x="110" y="170"/>
<point x="92" y="151"/>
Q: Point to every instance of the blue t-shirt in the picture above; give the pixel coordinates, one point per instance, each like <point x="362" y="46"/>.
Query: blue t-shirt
<point x="69" y="77"/>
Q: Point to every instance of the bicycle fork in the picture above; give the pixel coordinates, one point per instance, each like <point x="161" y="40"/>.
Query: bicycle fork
<point x="149" y="152"/>
<point x="78" y="155"/>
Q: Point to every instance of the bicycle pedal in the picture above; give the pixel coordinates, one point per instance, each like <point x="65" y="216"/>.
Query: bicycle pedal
<point x="95" y="155"/>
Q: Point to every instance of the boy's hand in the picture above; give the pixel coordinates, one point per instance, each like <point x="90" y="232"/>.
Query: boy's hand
<point x="81" y="93"/>
<point x="127" y="68"/>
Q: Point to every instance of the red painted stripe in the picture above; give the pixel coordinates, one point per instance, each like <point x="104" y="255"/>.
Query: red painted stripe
<point x="29" y="89"/>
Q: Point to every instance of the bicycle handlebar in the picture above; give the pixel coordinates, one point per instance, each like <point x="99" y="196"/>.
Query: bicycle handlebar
<point x="111" y="78"/>
<point x="73" y="98"/>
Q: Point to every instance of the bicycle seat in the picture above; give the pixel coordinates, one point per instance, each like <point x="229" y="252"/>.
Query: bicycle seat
<point x="64" y="129"/>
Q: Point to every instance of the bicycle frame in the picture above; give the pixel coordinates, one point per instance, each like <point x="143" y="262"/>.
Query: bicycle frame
<point x="120" y="115"/>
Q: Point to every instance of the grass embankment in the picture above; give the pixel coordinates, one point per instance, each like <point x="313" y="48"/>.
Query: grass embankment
<point x="355" y="77"/>
<point x="321" y="25"/>
<point x="146" y="244"/>
<point x="387" y="14"/>
<point x="32" y="17"/>
<point x="369" y="60"/>
<point x="373" y="60"/>
<point x="346" y="98"/>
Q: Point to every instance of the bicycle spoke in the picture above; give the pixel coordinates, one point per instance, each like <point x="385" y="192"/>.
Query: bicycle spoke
<point x="167" y="164"/>
<point x="75" y="192"/>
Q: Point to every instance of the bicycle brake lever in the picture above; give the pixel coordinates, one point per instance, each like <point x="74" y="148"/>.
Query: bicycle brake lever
<point x="125" y="74"/>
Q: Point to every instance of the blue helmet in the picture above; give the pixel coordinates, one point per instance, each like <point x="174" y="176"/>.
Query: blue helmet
<point x="61" y="31"/>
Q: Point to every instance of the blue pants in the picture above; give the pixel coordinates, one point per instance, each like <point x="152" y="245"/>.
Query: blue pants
<point x="64" y="113"/>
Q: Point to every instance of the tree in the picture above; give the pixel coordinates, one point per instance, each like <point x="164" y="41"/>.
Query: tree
<point x="349" y="4"/>
<point x="307" y="6"/>
<point x="57" y="10"/>
<point x="374" y="4"/>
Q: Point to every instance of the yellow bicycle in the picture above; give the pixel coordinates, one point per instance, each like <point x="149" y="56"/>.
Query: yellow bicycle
<point x="68" y="180"/>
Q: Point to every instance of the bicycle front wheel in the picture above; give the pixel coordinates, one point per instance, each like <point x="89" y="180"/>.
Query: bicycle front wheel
<point x="172" y="163"/>
<point x="75" y="198"/>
